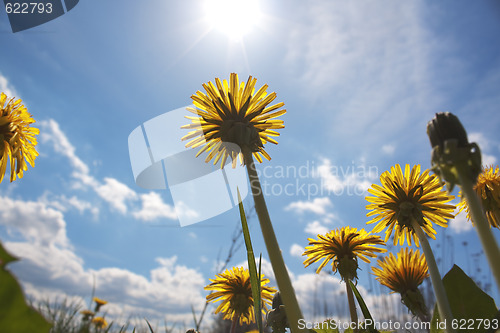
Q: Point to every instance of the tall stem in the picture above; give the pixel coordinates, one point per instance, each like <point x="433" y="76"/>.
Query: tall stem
<point x="488" y="241"/>
<point x="352" y="306"/>
<point x="437" y="284"/>
<point x="236" y="319"/>
<point x="280" y="272"/>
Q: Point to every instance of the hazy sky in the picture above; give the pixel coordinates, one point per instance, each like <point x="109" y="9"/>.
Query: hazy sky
<point x="359" y="79"/>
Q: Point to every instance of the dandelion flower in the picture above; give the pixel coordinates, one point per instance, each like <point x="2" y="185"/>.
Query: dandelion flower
<point x="87" y="314"/>
<point x="232" y="114"/>
<point x="234" y="290"/>
<point x="403" y="198"/>
<point x="403" y="274"/>
<point x="100" y="322"/>
<point x="98" y="303"/>
<point x="343" y="246"/>
<point x="488" y="190"/>
<point x="17" y="138"/>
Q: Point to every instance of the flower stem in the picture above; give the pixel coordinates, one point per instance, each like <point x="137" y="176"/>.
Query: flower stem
<point x="352" y="306"/>
<point x="437" y="284"/>
<point x="292" y="309"/>
<point x="236" y="319"/>
<point x="488" y="241"/>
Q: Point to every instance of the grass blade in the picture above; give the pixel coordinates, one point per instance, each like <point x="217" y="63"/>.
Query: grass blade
<point x="252" y="268"/>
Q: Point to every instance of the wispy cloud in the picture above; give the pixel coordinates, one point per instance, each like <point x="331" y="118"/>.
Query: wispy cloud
<point x="487" y="146"/>
<point x="153" y="208"/>
<point x="350" y="180"/>
<point x="7" y="88"/>
<point x="388" y="149"/>
<point x="460" y="223"/>
<point x="118" y="195"/>
<point x="296" y="250"/>
<point x="318" y="206"/>
<point x="373" y="61"/>
<point x="316" y="228"/>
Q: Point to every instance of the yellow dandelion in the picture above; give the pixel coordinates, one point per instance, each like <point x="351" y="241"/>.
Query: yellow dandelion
<point x="100" y="322"/>
<point x="17" y="138"/>
<point x="488" y="190"/>
<point x="402" y="273"/>
<point x="403" y="198"/>
<point x="232" y="114"/>
<point x="234" y="290"/>
<point x="343" y="246"/>
<point x="87" y="314"/>
<point x="99" y="301"/>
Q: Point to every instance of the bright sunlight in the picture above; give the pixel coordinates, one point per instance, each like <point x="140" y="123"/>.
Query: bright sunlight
<point x="235" y="18"/>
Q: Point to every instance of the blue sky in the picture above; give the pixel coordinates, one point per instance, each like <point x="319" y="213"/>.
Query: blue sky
<point x="360" y="80"/>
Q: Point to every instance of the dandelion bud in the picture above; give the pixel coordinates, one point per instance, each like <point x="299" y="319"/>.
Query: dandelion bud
<point x="450" y="147"/>
<point x="446" y="126"/>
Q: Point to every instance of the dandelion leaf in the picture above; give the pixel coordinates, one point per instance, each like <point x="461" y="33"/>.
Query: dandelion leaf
<point x="15" y="315"/>
<point x="471" y="307"/>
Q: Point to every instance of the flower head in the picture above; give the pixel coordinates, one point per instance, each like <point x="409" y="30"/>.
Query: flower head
<point x="343" y="246"/>
<point x="231" y="115"/>
<point x="451" y="148"/>
<point x="402" y="198"/>
<point x="99" y="322"/>
<point x="234" y="290"/>
<point x="17" y="138"/>
<point x="87" y="314"/>
<point x="403" y="274"/>
<point x="98" y="303"/>
<point x="488" y="190"/>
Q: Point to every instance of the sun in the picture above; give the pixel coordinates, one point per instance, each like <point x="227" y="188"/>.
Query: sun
<point x="235" y="18"/>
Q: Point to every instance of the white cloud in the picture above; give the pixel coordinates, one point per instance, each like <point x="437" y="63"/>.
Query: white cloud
<point x="63" y="203"/>
<point x="313" y="290"/>
<point x="316" y="228"/>
<point x="480" y="139"/>
<point x="6" y="88"/>
<point x="350" y="180"/>
<point x="34" y="222"/>
<point x="485" y="145"/>
<point x="318" y="206"/>
<point x="116" y="194"/>
<point x="153" y="208"/>
<point x="51" y="133"/>
<point x="296" y="250"/>
<point x="266" y="269"/>
<point x="460" y="223"/>
<point x="388" y="149"/>
<point x="315" y="293"/>
<point x="49" y="262"/>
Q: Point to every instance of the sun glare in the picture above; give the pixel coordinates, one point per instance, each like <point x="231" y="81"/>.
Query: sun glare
<point x="235" y="18"/>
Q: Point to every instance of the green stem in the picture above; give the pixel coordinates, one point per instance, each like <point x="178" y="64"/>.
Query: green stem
<point x="292" y="309"/>
<point x="488" y="241"/>
<point x="352" y="306"/>
<point x="437" y="284"/>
